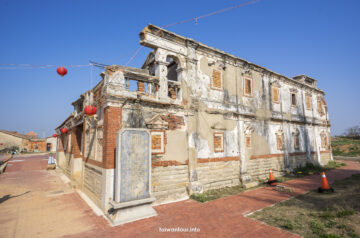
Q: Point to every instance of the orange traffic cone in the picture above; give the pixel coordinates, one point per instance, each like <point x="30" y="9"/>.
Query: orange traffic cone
<point x="272" y="181"/>
<point x="324" y="184"/>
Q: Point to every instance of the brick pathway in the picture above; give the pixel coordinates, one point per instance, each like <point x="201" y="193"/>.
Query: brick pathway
<point x="219" y="218"/>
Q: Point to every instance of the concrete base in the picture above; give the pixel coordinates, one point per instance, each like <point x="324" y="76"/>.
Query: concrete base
<point x="131" y="211"/>
<point x="251" y="184"/>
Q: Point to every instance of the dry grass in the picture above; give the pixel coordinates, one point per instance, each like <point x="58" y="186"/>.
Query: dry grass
<point x="343" y="146"/>
<point x="319" y="215"/>
<point x="217" y="193"/>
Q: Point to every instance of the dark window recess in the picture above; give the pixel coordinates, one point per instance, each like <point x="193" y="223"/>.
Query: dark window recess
<point x="293" y="99"/>
<point x="171" y="69"/>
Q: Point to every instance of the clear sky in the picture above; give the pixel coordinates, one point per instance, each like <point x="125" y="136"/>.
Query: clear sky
<point x="319" y="38"/>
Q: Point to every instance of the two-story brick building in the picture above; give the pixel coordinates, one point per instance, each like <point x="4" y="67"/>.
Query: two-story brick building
<point x="215" y="120"/>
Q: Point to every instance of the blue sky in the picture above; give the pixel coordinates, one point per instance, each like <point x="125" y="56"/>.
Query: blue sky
<point x="319" y="38"/>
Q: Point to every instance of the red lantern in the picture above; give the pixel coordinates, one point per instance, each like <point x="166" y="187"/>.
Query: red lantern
<point x="61" y="71"/>
<point x="90" y="110"/>
<point x="1" y="143"/>
<point x="54" y="135"/>
<point x="64" y="130"/>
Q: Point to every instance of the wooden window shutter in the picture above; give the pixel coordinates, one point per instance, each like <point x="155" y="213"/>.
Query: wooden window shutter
<point x="216" y="79"/>
<point x="247" y="85"/>
<point x="275" y="94"/>
<point x="219" y="142"/>
<point x="308" y="102"/>
<point x="156" y="142"/>
<point x="320" y="108"/>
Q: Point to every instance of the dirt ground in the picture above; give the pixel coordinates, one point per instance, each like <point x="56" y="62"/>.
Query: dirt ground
<point x="319" y="214"/>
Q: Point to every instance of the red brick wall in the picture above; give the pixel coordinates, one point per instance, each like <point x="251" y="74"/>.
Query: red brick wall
<point x="84" y="138"/>
<point x="75" y="147"/>
<point x="41" y="145"/>
<point x="112" y="124"/>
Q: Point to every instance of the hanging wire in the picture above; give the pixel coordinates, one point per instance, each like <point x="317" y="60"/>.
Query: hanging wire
<point x="99" y="65"/>
<point x="36" y="66"/>
<point x="195" y="19"/>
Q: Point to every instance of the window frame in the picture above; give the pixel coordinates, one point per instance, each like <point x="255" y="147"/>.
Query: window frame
<point x="308" y="99"/>
<point x="281" y="137"/>
<point x="320" y="108"/>
<point x="278" y="94"/>
<point x="296" y="138"/>
<point x="162" y="150"/>
<point x="216" y="150"/>
<point x="221" y="80"/>
<point x="247" y="77"/>
<point x="291" y="99"/>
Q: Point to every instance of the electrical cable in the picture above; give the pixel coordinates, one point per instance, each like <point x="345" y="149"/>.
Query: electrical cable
<point x="196" y="20"/>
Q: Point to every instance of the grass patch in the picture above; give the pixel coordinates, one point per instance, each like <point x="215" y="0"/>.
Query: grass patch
<point x="343" y="146"/>
<point x="217" y="193"/>
<point x="319" y="215"/>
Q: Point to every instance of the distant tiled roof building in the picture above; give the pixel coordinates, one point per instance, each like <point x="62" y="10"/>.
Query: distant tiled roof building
<point x="29" y="142"/>
<point x="32" y="134"/>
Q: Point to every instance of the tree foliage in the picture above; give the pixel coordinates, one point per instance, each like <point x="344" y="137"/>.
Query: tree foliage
<point x="353" y="132"/>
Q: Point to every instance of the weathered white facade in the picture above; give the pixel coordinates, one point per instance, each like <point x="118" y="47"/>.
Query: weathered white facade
<point x="216" y="120"/>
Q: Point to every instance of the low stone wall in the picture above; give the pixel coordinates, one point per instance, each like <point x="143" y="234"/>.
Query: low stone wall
<point x="92" y="183"/>
<point x="297" y="160"/>
<point x="219" y="174"/>
<point x="169" y="183"/>
<point x="258" y="168"/>
<point x="67" y="165"/>
<point x="325" y="157"/>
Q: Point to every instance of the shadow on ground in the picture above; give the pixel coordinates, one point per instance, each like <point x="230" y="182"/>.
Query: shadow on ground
<point x="8" y="196"/>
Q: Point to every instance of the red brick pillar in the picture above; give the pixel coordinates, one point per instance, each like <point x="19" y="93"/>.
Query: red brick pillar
<point x="141" y="86"/>
<point x="112" y="124"/>
<point x="74" y="144"/>
<point x="84" y="139"/>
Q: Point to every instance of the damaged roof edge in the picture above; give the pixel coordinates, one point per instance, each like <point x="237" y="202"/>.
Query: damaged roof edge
<point x="149" y="29"/>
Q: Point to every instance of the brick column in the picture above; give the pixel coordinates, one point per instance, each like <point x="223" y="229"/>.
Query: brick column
<point x="112" y="124"/>
<point x="141" y="86"/>
<point x="74" y="144"/>
<point x="84" y="140"/>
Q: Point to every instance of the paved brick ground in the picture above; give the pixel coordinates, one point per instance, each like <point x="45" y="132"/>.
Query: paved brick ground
<point x="220" y="218"/>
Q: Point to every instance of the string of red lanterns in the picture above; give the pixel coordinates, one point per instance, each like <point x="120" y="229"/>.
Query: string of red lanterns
<point x="54" y="135"/>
